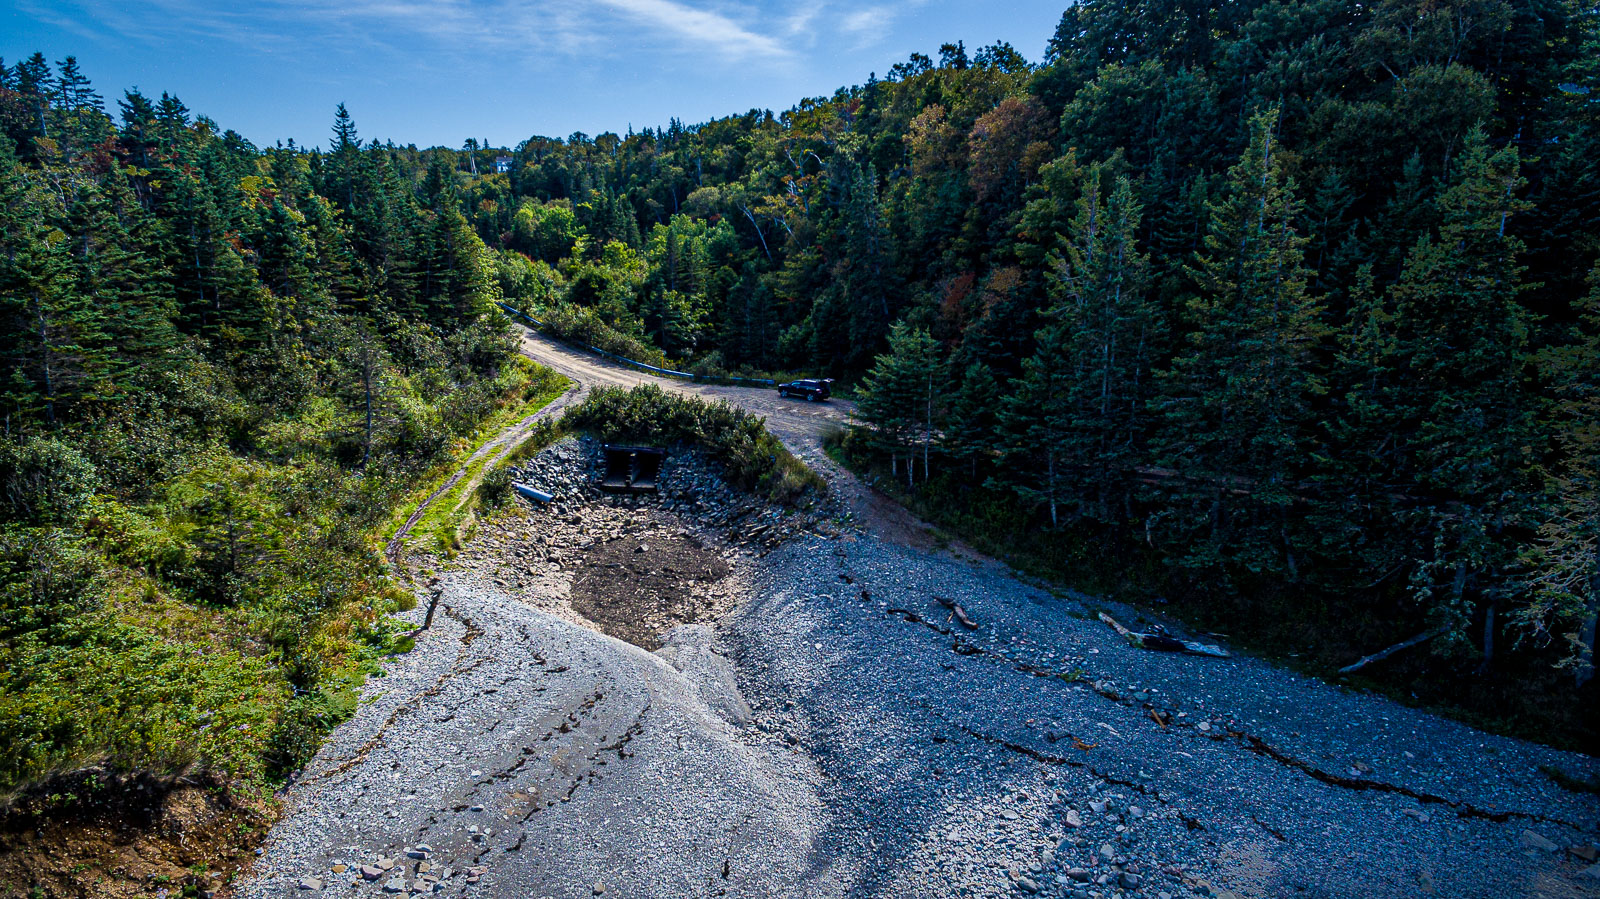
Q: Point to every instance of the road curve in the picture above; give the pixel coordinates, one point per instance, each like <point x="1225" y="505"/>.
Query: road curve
<point x="798" y="423"/>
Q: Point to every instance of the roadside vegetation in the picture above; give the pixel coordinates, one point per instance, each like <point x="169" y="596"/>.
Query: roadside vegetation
<point x="447" y="522"/>
<point x="224" y="369"/>
<point x="753" y="459"/>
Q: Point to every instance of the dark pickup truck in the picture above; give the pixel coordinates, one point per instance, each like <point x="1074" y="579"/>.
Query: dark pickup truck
<point x="808" y="388"/>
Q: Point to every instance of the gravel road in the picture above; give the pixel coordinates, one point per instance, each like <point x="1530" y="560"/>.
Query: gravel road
<point x="836" y="734"/>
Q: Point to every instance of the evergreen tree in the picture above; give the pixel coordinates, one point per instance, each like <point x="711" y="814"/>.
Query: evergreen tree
<point x="1564" y="582"/>
<point x="899" y="396"/>
<point x="55" y="345"/>
<point x="1463" y="417"/>
<point x="970" y="429"/>
<point x="1113" y="334"/>
<point x="1036" y="420"/>
<point x="1238" y="403"/>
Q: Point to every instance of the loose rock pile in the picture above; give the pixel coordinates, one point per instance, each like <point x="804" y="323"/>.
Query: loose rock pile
<point x="690" y="486"/>
<point x="411" y="872"/>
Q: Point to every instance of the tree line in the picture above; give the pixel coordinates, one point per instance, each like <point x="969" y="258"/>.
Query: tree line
<point x="1297" y="299"/>
<point x="221" y="367"/>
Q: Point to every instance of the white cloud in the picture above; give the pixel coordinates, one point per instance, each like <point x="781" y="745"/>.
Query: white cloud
<point x="871" y="19"/>
<point x="702" y="27"/>
<point x="870" y="24"/>
<point x="421" y="30"/>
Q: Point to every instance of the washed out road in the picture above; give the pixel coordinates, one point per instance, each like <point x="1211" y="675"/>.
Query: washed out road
<point x="836" y="734"/>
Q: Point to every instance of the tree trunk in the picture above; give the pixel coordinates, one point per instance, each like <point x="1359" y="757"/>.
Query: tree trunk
<point x="45" y="362"/>
<point x="1488" y="639"/>
<point x="366" y="389"/>
<point x="927" y="431"/>
<point x="1587" y="634"/>
<point x="757" y="226"/>
<point x="1050" y="462"/>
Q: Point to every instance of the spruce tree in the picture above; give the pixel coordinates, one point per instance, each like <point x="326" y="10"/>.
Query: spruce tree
<point x="1464" y="417"/>
<point x="970" y="430"/>
<point x="1238" y="399"/>
<point x="899" y="398"/>
<point x="1113" y="333"/>
<point x="1036" y="419"/>
<point x="1564" y="580"/>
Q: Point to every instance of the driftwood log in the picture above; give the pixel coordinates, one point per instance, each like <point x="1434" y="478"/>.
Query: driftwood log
<point x="1161" y="640"/>
<point x="1379" y="656"/>
<point x="959" y="613"/>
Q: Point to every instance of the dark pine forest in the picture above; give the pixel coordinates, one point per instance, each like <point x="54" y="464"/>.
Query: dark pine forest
<point x="1283" y="318"/>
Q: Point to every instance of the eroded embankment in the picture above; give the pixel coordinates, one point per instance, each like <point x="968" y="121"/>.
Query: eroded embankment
<point x="812" y="724"/>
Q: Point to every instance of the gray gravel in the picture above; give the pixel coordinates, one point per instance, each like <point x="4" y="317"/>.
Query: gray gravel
<point x="554" y="758"/>
<point x="836" y="735"/>
<point x="979" y="750"/>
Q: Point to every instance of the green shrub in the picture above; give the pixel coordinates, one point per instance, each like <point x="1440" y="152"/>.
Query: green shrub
<point x="582" y="324"/>
<point x="43" y="480"/>
<point x="755" y="461"/>
<point x="495" y="488"/>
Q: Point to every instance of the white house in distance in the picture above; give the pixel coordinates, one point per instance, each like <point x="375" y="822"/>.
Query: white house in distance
<point x="502" y="164"/>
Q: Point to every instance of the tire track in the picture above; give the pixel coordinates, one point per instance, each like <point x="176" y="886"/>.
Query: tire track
<point x="506" y="442"/>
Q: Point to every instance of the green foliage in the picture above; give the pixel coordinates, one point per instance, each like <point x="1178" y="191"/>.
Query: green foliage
<point x="898" y="396"/>
<point x="221" y="369"/>
<point x="585" y="325"/>
<point x="754" y="460"/>
<point x="45" y="480"/>
<point x="495" y="488"/>
<point x="1272" y="302"/>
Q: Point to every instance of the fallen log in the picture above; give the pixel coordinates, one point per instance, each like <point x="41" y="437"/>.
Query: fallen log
<point x="1116" y="626"/>
<point x="1379" y="656"/>
<point x="1160" y="640"/>
<point x="959" y="613"/>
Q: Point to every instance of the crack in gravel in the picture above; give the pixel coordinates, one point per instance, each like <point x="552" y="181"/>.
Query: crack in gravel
<point x="1249" y="741"/>
<point x="471" y="633"/>
<point x="1464" y="809"/>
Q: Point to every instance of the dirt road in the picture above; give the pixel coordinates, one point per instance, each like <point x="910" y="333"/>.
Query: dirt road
<point x="798" y="423"/>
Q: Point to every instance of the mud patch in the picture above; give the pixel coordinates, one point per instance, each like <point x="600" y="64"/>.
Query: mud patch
<point x="640" y="584"/>
<point x="99" y="835"/>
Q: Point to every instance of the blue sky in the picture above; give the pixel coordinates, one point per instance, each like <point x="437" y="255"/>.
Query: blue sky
<point x="436" y="72"/>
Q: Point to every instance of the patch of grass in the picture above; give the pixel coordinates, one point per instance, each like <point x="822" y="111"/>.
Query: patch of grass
<point x="444" y="524"/>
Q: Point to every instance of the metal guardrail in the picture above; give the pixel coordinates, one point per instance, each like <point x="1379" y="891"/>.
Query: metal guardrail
<point x="645" y="366"/>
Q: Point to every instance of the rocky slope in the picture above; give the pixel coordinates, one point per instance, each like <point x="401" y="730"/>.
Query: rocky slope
<point x="813" y="723"/>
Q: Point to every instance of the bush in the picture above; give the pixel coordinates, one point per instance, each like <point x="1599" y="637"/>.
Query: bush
<point x="44" y="480"/>
<point x="495" y="488"/>
<point x="47" y="578"/>
<point x="754" y="459"/>
<point x="581" y="324"/>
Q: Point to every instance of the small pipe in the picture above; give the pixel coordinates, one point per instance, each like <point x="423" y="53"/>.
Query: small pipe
<point x="527" y="492"/>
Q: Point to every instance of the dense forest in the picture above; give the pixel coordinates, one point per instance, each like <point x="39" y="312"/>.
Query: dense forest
<point x="1291" y="310"/>
<point x="224" y="366"/>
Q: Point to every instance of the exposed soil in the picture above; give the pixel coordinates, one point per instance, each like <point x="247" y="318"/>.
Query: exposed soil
<point x="92" y="834"/>
<point x="654" y="578"/>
